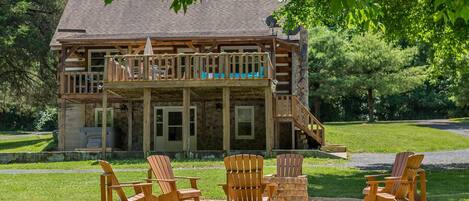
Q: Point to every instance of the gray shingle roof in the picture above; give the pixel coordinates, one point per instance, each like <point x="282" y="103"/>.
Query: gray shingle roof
<point x="132" y="19"/>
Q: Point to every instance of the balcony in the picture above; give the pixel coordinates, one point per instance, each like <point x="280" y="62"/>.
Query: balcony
<point x="82" y="82"/>
<point x="194" y="70"/>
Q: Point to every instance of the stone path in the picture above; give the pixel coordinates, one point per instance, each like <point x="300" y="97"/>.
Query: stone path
<point x="441" y="159"/>
<point x="447" y="125"/>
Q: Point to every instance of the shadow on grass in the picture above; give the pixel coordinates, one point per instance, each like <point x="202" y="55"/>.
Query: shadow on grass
<point x="26" y="143"/>
<point x="329" y="185"/>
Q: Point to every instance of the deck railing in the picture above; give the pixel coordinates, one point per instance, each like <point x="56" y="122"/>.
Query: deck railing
<point x="198" y="66"/>
<point x="291" y="107"/>
<point x="81" y="82"/>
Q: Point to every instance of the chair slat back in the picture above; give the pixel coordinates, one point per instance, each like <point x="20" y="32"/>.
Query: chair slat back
<point x="161" y="168"/>
<point x="289" y="165"/>
<point x="398" y="169"/>
<point x="409" y="174"/>
<point x="400" y="163"/>
<point x="107" y="168"/>
<point x="244" y="174"/>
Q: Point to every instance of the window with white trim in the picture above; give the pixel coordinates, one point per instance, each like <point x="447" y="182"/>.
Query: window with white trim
<point x="244" y="119"/>
<point x="98" y="117"/>
<point x="96" y="59"/>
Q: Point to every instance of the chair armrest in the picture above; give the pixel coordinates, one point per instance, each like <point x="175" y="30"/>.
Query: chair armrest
<point x="388" y="179"/>
<point x="165" y="180"/>
<point x="132" y="182"/>
<point x="373" y="177"/>
<point x="130" y="185"/>
<point x="195" y="178"/>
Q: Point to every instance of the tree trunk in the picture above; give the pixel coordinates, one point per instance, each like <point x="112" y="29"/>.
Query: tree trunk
<point x="317" y="106"/>
<point x="371" y="102"/>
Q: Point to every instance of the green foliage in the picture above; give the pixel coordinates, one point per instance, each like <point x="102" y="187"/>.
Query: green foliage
<point x="378" y="65"/>
<point x="327" y="63"/>
<point x="365" y="64"/>
<point x="46" y="120"/>
<point x="27" y="68"/>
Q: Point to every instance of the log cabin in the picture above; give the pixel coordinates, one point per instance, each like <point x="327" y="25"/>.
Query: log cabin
<point x="137" y="76"/>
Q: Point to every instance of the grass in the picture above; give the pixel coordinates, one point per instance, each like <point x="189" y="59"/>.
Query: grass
<point x="460" y="120"/>
<point x="323" y="182"/>
<point x="142" y="164"/>
<point x="393" y="137"/>
<point x="14" y="142"/>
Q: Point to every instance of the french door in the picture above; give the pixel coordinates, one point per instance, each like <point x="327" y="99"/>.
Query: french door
<point x="168" y="129"/>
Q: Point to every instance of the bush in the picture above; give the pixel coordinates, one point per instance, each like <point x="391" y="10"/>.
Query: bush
<point x="46" y="120"/>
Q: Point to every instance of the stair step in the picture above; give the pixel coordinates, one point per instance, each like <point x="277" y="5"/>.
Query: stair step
<point x="334" y="148"/>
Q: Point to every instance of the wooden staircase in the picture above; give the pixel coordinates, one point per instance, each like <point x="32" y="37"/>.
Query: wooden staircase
<point x="288" y="108"/>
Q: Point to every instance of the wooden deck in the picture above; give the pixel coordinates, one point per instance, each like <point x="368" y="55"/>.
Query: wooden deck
<point x="188" y="70"/>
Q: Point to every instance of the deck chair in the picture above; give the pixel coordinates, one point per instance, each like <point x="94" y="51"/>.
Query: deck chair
<point x="160" y="166"/>
<point x="244" y="179"/>
<point x="109" y="182"/>
<point x="397" y="171"/>
<point x="397" y="188"/>
<point x="289" y="165"/>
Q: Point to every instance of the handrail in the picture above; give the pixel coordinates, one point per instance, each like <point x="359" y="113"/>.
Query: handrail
<point x="196" y="66"/>
<point x="81" y="82"/>
<point x="288" y="106"/>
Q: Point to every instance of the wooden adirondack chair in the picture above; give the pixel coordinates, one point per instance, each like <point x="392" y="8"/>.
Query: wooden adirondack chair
<point x="397" y="171"/>
<point x="397" y="188"/>
<point x="109" y="182"/>
<point x="292" y="185"/>
<point x="244" y="179"/>
<point x="160" y="166"/>
<point x="289" y="165"/>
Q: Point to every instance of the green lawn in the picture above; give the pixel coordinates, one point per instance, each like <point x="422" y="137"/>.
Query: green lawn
<point x="392" y="137"/>
<point x="324" y="181"/>
<point x="460" y="120"/>
<point x="142" y="164"/>
<point x="18" y="142"/>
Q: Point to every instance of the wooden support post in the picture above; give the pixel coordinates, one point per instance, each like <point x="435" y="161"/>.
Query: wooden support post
<point x="186" y="105"/>
<point x="146" y="119"/>
<point x="269" y="121"/>
<point x="129" y="126"/>
<point x="226" y="119"/>
<point x="104" y="123"/>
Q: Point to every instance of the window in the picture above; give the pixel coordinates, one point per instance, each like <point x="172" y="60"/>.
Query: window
<point x="159" y="122"/>
<point x="98" y="117"/>
<point x="171" y="119"/>
<point x="244" y="118"/>
<point x="96" y="59"/>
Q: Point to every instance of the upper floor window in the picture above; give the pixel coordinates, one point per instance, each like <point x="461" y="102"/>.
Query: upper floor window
<point x="96" y="59"/>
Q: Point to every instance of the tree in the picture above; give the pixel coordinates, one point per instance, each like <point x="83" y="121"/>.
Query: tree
<point x="327" y="66"/>
<point x="379" y="68"/>
<point x="27" y="68"/>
